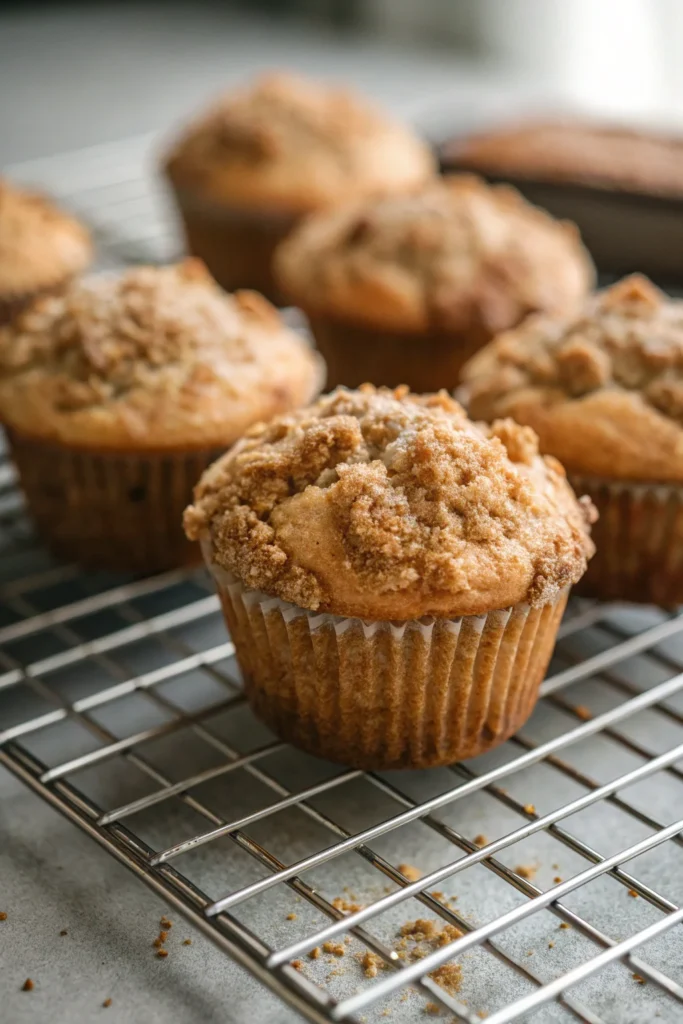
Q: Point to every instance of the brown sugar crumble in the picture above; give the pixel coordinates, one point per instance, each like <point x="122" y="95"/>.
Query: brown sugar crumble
<point x="346" y="906"/>
<point x="410" y="872"/>
<point x="335" y="948"/>
<point x="449" y="977"/>
<point x="433" y="1009"/>
<point x="107" y="1003"/>
<point x="162" y="953"/>
<point x="165" y="924"/>
<point x="371" y="963"/>
<point x="314" y="953"/>
<point x="297" y="965"/>
<point x="28" y="986"/>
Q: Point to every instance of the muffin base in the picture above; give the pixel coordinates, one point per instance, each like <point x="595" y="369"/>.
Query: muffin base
<point x="638" y="540"/>
<point x="110" y="510"/>
<point x="387" y="695"/>
<point x="357" y="354"/>
<point x="236" y="245"/>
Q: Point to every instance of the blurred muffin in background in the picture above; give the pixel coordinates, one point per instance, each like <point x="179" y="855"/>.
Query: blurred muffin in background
<point x="266" y="154"/>
<point x="604" y="392"/>
<point x="41" y="248"/>
<point x="404" y="289"/>
<point x="119" y="392"/>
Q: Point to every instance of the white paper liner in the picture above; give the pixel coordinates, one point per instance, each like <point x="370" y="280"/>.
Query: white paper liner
<point x="638" y="540"/>
<point x="388" y="695"/>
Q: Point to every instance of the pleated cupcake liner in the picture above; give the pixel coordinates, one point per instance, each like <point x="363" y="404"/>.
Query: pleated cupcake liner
<point x="638" y="540"/>
<point x="110" y="510"/>
<point x="237" y="244"/>
<point x="425" y="361"/>
<point x="381" y="695"/>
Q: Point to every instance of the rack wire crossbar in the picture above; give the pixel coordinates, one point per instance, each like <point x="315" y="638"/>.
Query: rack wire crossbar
<point x="121" y="706"/>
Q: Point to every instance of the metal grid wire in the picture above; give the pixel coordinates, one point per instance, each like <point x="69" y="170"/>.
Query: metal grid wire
<point x="557" y="859"/>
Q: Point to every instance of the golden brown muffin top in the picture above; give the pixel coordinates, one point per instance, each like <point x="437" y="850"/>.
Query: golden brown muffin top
<point x="603" y="390"/>
<point x="386" y="505"/>
<point x="457" y="255"/>
<point x="286" y="143"/>
<point x="599" y="155"/>
<point x="40" y="245"/>
<point x="151" y="358"/>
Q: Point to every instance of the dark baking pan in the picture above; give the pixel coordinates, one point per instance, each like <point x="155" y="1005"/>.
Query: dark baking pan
<point x="624" y="231"/>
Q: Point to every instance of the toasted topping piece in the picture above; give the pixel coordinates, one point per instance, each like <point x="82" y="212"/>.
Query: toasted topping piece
<point x="287" y="142"/>
<point x="456" y="255"/>
<point x="153" y="357"/>
<point x="40" y="245"/>
<point x="386" y="505"/>
<point x="603" y="390"/>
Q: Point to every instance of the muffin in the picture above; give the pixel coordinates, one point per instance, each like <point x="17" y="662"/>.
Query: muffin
<point x="267" y="154"/>
<point x="604" y="392"/>
<point x="118" y="393"/>
<point x="406" y="288"/>
<point x="41" y="248"/>
<point x="392" y="574"/>
<point x="622" y="186"/>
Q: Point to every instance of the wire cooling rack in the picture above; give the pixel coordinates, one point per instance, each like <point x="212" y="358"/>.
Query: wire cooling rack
<point x="550" y="871"/>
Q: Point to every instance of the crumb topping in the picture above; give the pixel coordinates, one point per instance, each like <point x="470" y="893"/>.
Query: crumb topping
<point x="40" y="245"/>
<point x="461" y="252"/>
<point x="283" y="118"/>
<point x="384" y="504"/>
<point x="131" y="343"/>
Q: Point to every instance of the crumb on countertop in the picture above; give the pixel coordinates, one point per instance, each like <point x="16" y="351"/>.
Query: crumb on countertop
<point x="526" y="870"/>
<point x="298" y="965"/>
<point x="639" y="978"/>
<point x="582" y="712"/>
<point x="64" y="932"/>
<point x="557" y="879"/>
<point x="410" y="872"/>
<point x="187" y="942"/>
<point x="3" y="915"/>
<point x="314" y="953"/>
<point x="551" y="945"/>
<point x="529" y="809"/>
<point x="632" y="892"/>
<point x="161" y="953"/>
<point x="371" y="963"/>
<point x="346" y="906"/>
<point x="336" y="948"/>
<point x="107" y="1003"/>
<point x="291" y="917"/>
<point x="564" y="924"/>
<point x="28" y="986"/>
<point x="449" y="977"/>
<point x="165" y="923"/>
<point x="480" y="840"/>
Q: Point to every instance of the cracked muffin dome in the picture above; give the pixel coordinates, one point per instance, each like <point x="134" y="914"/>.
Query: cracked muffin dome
<point x="603" y="390"/>
<point x="391" y="506"/>
<point x="40" y="245"/>
<point x="287" y="142"/>
<point x="151" y="358"/>
<point x="456" y="255"/>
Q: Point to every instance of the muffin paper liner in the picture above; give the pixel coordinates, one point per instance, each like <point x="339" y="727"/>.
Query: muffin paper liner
<point x="237" y="245"/>
<point x="382" y="695"/>
<point x="638" y="540"/>
<point x="108" y="509"/>
<point x="427" y="361"/>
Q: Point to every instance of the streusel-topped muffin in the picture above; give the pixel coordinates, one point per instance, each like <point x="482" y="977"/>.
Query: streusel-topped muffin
<point x="408" y="287"/>
<point x="41" y="248"/>
<point x="393" y="574"/>
<point x="268" y="153"/>
<point x="118" y="392"/>
<point x="604" y="392"/>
